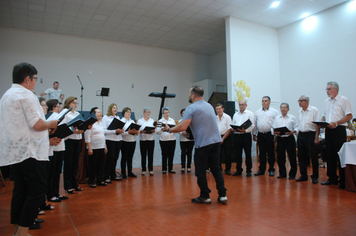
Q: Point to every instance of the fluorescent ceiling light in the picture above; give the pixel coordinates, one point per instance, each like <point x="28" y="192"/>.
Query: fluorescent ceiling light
<point x="306" y="14"/>
<point x="352" y="5"/>
<point x="275" y="4"/>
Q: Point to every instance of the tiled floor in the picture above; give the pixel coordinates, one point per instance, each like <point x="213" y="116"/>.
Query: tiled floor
<point x="160" y="205"/>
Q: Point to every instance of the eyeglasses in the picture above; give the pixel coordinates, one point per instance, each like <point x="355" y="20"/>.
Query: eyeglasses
<point x="302" y="100"/>
<point x="328" y="89"/>
<point x="44" y="105"/>
<point x="35" y="78"/>
<point x="75" y="103"/>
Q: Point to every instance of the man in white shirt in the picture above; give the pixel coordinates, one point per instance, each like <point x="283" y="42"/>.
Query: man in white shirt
<point x="286" y="141"/>
<point x="306" y="134"/>
<point x="337" y="112"/>
<point x="24" y="145"/>
<point x="264" y="117"/>
<point x="224" y="121"/>
<point x="242" y="138"/>
<point x="54" y="93"/>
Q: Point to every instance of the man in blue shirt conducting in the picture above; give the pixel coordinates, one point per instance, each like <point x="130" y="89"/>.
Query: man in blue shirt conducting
<point x="201" y="118"/>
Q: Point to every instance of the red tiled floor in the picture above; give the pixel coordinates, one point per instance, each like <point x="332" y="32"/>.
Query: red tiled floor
<point x="160" y="205"/>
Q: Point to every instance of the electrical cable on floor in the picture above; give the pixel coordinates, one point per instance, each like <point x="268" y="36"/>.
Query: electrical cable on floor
<point x="70" y="218"/>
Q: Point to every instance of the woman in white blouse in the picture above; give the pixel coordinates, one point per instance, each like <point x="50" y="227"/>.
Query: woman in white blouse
<point x="186" y="147"/>
<point x="147" y="141"/>
<point x="95" y="141"/>
<point x="73" y="147"/>
<point x="113" y="144"/>
<point x="128" y="144"/>
<point x="167" y="141"/>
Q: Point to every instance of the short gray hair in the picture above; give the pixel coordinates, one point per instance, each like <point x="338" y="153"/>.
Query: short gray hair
<point x="305" y="97"/>
<point x="284" y="103"/>
<point x="165" y="109"/>
<point x="334" y="85"/>
<point x="146" y="109"/>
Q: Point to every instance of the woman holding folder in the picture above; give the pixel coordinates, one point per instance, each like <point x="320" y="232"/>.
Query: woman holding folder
<point x="128" y="143"/>
<point x="147" y="140"/>
<point x="95" y="141"/>
<point x="73" y="147"/>
<point x="113" y="143"/>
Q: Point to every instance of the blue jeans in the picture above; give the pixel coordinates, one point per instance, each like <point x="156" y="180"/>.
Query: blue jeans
<point x="204" y="158"/>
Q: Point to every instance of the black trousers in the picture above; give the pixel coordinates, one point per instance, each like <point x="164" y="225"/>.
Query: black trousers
<point x="167" y="150"/>
<point x="225" y="153"/>
<point x="146" y="149"/>
<point x="127" y="152"/>
<point x="283" y="144"/>
<point x="112" y="156"/>
<point x="186" y="151"/>
<point x="307" y="150"/>
<point x="266" y="146"/>
<point x="334" y="139"/>
<point x="30" y="186"/>
<point x="71" y="162"/>
<point x="58" y="159"/>
<point x="96" y="166"/>
<point x="204" y="158"/>
<point x="243" y="141"/>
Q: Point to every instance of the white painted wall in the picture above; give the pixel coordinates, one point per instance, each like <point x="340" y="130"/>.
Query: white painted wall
<point x="309" y="59"/>
<point x="102" y="63"/>
<point x="252" y="55"/>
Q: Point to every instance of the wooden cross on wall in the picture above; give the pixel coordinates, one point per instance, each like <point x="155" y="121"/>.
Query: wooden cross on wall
<point x="163" y="96"/>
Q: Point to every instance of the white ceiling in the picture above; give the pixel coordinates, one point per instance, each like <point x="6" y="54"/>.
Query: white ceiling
<point x="189" y="25"/>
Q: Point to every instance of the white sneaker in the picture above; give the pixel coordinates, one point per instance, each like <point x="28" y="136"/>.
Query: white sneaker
<point x="222" y="200"/>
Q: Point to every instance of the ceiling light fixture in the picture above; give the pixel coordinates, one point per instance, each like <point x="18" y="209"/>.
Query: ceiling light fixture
<point x="352" y="5"/>
<point x="275" y="4"/>
<point x="306" y="14"/>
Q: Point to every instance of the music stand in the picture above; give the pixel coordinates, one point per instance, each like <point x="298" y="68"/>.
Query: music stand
<point x="103" y="93"/>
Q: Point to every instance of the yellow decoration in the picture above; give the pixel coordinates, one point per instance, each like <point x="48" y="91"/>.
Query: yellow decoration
<point x="243" y="90"/>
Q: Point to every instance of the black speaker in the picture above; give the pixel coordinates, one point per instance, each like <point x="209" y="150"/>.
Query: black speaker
<point x="229" y="107"/>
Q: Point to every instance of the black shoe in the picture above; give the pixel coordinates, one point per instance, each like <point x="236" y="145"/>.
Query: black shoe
<point x="302" y="178"/>
<point x="54" y="199"/>
<point x="281" y="176"/>
<point x="328" y="182"/>
<point x="92" y="185"/>
<point x="78" y="188"/>
<point x="70" y="191"/>
<point x="164" y="172"/>
<point x="38" y="221"/>
<point x="291" y="177"/>
<point x="222" y="200"/>
<point x="271" y="173"/>
<point x="132" y="175"/>
<point x="172" y="172"/>
<point x="341" y="186"/>
<point x="35" y="226"/>
<point x="314" y="180"/>
<point x="200" y="200"/>
<point x="102" y="184"/>
<point x="237" y="173"/>
<point x="248" y="174"/>
<point x="259" y="173"/>
<point x="63" y="197"/>
<point x="228" y="172"/>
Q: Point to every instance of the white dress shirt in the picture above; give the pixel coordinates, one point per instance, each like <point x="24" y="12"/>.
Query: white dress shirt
<point x="166" y="136"/>
<point x="239" y="118"/>
<point x="144" y="123"/>
<point x="19" y="112"/>
<point x="110" y="134"/>
<point x="223" y="123"/>
<point x="126" y="136"/>
<point x="288" y="121"/>
<point x="306" y="118"/>
<point x="95" y="136"/>
<point x="264" y="119"/>
<point x="336" y="109"/>
<point x="70" y="116"/>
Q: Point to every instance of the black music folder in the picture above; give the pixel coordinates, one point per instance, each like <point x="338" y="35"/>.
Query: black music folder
<point x="116" y="124"/>
<point x="133" y="126"/>
<point x="244" y="125"/>
<point x="189" y="134"/>
<point x="282" y="130"/>
<point x="76" y="121"/>
<point x="62" y="131"/>
<point x="322" y="124"/>
<point x="149" y="129"/>
<point x="91" y="120"/>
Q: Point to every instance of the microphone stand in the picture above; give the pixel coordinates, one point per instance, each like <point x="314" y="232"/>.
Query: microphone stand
<point x="81" y="94"/>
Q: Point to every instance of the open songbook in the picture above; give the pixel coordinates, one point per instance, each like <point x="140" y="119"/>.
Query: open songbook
<point x="282" y="130"/>
<point x="62" y="131"/>
<point x="82" y="124"/>
<point x="133" y="126"/>
<point x="244" y="125"/>
<point x="322" y="124"/>
<point x="58" y="116"/>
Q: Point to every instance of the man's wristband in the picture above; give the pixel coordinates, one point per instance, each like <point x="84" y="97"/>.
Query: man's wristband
<point x="168" y="130"/>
